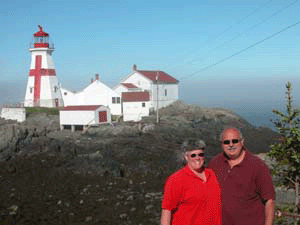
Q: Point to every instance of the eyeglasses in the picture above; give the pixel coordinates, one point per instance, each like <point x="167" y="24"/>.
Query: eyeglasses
<point x="234" y="141"/>
<point x="194" y="155"/>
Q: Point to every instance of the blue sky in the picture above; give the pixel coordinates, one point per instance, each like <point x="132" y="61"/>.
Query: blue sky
<point x="187" y="39"/>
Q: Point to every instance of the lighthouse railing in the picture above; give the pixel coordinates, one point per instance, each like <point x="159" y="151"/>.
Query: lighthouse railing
<point x="51" y="45"/>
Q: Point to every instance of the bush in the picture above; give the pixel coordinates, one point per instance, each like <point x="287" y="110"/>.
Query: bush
<point x="34" y="110"/>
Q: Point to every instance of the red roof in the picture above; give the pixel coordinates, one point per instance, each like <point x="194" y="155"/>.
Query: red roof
<point x="163" y="77"/>
<point x="129" y="85"/>
<point x="81" y="107"/>
<point x="140" y="96"/>
<point x="41" y="33"/>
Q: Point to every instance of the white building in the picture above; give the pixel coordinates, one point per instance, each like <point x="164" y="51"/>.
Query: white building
<point x="162" y="87"/>
<point x="135" y="105"/>
<point x="42" y="89"/>
<point x="95" y="93"/>
<point x="80" y="117"/>
<point x="13" y="113"/>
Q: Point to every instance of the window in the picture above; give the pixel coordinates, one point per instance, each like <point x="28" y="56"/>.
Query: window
<point x="166" y="92"/>
<point x="143" y="104"/>
<point x="65" y="93"/>
<point x="55" y="89"/>
<point x="31" y="90"/>
<point x="116" y="100"/>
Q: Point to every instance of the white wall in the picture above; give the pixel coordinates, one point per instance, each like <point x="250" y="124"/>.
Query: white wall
<point x="47" y="94"/>
<point x="72" y="98"/>
<point x="47" y="62"/>
<point x="28" y="102"/>
<point x="164" y="100"/>
<point x="95" y="94"/>
<point x="133" y="111"/>
<point x="139" y="81"/>
<point x="80" y="117"/>
<point x="146" y="84"/>
<point x="120" y="88"/>
<point x="18" y="114"/>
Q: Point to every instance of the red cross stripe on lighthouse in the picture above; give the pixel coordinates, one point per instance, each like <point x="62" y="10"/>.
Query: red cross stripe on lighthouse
<point x="37" y="73"/>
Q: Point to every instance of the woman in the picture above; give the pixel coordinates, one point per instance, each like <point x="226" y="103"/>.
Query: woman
<point x="192" y="195"/>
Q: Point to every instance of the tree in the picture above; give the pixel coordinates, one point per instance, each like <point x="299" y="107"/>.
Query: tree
<point x="286" y="152"/>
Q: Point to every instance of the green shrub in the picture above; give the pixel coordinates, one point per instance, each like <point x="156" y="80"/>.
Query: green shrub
<point x="34" y="110"/>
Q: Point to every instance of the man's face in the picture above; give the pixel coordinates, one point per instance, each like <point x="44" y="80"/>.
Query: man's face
<point x="232" y="143"/>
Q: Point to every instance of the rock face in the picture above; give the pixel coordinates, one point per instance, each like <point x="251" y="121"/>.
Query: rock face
<point x="125" y="148"/>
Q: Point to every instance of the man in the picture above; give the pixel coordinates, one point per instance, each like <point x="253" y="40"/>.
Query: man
<point x="248" y="196"/>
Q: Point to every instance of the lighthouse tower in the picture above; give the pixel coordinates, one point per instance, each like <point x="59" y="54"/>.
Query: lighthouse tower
<point x="43" y="89"/>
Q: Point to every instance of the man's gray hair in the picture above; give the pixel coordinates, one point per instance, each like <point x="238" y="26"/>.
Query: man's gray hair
<point x="231" y="128"/>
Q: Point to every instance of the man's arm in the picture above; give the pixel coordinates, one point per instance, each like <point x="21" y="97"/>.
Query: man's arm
<point x="165" y="217"/>
<point x="269" y="211"/>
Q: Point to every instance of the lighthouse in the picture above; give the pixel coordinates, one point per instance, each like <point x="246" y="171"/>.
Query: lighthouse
<point x="43" y="89"/>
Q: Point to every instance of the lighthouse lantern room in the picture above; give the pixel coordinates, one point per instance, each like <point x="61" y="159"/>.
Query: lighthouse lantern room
<point x="43" y="89"/>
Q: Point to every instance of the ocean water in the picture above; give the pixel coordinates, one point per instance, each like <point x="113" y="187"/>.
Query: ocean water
<point x="259" y="118"/>
<point x="256" y="113"/>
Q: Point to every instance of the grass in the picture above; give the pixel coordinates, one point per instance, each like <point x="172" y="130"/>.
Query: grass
<point x="34" y="110"/>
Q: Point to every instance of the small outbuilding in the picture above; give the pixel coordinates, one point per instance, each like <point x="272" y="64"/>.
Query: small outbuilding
<point x="80" y="117"/>
<point x="13" y="112"/>
<point x="136" y="105"/>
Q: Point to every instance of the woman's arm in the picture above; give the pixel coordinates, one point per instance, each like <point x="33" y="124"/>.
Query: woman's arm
<point x="270" y="211"/>
<point x="165" y="217"/>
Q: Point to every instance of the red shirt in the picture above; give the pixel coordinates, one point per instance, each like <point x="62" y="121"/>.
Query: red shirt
<point x="245" y="189"/>
<point x="191" y="200"/>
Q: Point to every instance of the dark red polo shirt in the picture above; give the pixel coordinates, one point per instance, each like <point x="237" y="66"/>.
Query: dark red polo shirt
<point x="191" y="200"/>
<point x="245" y="189"/>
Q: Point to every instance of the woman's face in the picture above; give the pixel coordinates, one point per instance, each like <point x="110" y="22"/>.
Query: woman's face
<point x="195" y="159"/>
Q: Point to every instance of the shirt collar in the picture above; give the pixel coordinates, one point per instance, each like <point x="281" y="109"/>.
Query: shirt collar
<point x="246" y="157"/>
<point x="191" y="173"/>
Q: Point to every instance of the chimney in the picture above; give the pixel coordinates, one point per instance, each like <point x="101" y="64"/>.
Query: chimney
<point x="92" y="80"/>
<point x="97" y="76"/>
<point x="134" y="67"/>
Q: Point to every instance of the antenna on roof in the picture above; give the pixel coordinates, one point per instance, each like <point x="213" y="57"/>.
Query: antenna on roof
<point x="134" y="67"/>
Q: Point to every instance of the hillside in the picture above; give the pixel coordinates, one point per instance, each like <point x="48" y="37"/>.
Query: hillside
<point x="112" y="174"/>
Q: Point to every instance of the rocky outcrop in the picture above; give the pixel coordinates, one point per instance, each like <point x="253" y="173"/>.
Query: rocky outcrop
<point x="128" y="148"/>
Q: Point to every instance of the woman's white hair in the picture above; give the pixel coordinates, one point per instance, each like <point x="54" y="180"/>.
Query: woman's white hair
<point x="192" y="144"/>
<point x="189" y="145"/>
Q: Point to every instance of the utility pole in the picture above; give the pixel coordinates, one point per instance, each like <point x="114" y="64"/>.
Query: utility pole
<point x="157" y="97"/>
